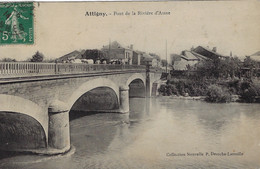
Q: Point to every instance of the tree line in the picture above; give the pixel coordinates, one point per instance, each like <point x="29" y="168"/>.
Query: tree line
<point x="218" y="80"/>
<point x="37" y="57"/>
<point x="93" y="54"/>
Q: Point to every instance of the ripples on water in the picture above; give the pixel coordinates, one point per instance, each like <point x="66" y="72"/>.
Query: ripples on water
<point x="154" y="128"/>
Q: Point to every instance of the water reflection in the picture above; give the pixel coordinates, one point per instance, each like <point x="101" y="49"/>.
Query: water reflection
<point x="153" y="128"/>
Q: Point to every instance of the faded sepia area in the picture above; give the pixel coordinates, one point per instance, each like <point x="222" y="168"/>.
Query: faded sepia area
<point x="231" y="26"/>
<point x="112" y="85"/>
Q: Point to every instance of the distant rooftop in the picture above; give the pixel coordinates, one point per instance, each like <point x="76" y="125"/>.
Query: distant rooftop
<point x="205" y="51"/>
<point x="188" y="55"/>
<point x="75" y="54"/>
<point x="255" y="56"/>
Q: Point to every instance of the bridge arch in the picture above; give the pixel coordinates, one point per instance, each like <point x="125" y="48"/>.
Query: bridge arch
<point x="136" y="84"/>
<point x="134" y="77"/>
<point x="92" y="84"/>
<point x="24" y="111"/>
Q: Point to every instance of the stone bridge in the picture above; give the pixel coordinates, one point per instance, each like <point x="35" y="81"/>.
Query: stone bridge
<point x="35" y="104"/>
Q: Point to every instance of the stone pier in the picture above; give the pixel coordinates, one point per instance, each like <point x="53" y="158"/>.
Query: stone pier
<point x="58" y="133"/>
<point x="124" y="99"/>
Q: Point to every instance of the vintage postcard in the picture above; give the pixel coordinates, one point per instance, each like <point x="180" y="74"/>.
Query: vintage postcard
<point x="130" y="85"/>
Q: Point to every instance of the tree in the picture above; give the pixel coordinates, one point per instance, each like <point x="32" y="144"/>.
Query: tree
<point x="155" y="56"/>
<point x="7" y="60"/>
<point x="220" y="68"/>
<point x="37" y="57"/>
<point x="250" y="64"/>
<point x="233" y="65"/>
<point x="94" y="54"/>
<point x="163" y="61"/>
<point x="205" y="68"/>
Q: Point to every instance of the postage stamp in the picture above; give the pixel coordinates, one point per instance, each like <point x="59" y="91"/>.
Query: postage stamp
<point x="16" y="23"/>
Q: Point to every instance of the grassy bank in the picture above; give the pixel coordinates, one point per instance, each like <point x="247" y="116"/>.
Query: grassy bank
<point x="214" y="90"/>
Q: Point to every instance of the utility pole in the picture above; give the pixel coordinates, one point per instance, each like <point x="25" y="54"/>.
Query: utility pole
<point x="147" y="87"/>
<point x="166" y="58"/>
<point x="109" y="50"/>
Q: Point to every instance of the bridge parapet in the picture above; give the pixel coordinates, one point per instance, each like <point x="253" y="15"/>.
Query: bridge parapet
<point x="28" y="68"/>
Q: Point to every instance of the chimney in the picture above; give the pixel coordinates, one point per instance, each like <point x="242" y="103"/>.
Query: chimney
<point x="231" y="53"/>
<point x="131" y="46"/>
<point x="214" y="49"/>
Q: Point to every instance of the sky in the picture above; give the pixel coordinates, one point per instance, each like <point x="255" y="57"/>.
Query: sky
<point x="61" y="28"/>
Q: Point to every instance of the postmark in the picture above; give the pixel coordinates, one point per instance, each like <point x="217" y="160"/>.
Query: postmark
<point x="16" y="23"/>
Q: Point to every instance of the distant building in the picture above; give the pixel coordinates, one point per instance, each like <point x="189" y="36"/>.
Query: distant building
<point x="157" y="61"/>
<point x="148" y="58"/>
<point x="189" y="58"/>
<point x="185" y="60"/>
<point x="256" y="56"/>
<point x="115" y="51"/>
<point x="206" y="52"/>
<point x="69" y="57"/>
<point x="136" y="58"/>
<point x="88" y="56"/>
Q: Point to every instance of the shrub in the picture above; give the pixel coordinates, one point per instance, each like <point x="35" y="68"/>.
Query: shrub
<point x="190" y="86"/>
<point x="162" y="89"/>
<point x="234" y="86"/>
<point x="171" y="89"/>
<point x="167" y="90"/>
<point x="217" y="94"/>
<point x="250" y="93"/>
<point x="245" y="85"/>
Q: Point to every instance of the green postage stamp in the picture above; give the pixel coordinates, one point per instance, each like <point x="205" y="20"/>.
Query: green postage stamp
<point x="16" y="23"/>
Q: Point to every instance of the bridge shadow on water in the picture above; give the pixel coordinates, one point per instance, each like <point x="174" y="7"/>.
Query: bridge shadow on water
<point x="10" y="154"/>
<point x="78" y="114"/>
<point x="75" y="114"/>
<point x="7" y="154"/>
<point x="19" y="132"/>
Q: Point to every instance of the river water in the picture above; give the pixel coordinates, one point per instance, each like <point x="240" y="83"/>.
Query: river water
<point x="159" y="133"/>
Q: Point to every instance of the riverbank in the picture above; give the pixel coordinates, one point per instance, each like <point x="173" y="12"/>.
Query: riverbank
<point x="234" y="98"/>
<point x="212" y="90"/>
<point x="184" y="97"/>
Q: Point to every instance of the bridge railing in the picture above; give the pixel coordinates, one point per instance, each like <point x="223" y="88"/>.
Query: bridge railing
<point x="25" y="68"/>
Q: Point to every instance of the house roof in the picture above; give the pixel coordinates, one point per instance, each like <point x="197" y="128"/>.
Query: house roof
<point x="147" y="57"/>
<point x="138" y="52"/>
<point x="255" y="56"/>
<point x="75" y="54"/>
<point x="82" y="51"/>
<point x="189" y="55"/>
<point x="205" y="51"/>
<point x="180" y="65"/>
<point x="199" y="56"/>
